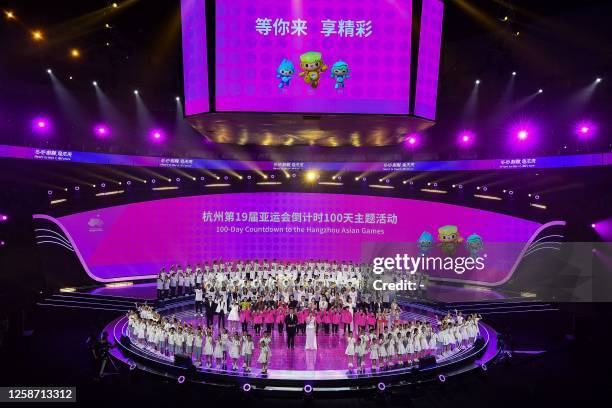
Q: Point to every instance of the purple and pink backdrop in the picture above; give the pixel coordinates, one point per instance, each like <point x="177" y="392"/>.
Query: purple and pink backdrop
<point x="135" y="240"/>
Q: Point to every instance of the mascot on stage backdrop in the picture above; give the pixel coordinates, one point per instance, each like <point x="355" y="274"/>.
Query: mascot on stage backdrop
<point x="425" y="243"/>
<point x="474" y="245"/>
<point x="449" y="239"/>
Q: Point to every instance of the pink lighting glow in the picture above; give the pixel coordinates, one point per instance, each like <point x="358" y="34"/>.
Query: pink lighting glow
<point x="157" y="135"/>
<point x="466" y="138"/>
<point x="102" y="131"/>
<point x="41" y="125"/>
<point x="603" y="228"/>
<point x="523" y="134"/>
<point x="412" y="140"/>
<point x="585" y="129"/>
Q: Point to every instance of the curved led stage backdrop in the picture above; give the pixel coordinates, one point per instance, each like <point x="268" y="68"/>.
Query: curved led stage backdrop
<point x="134" y="241"/>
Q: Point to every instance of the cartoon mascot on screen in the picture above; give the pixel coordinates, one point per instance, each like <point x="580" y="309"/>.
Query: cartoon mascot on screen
<point x="340" y="72"/>
<point x="449" y="239"/>
<point x="312" y="65"/>
<point x="285" y="73"/>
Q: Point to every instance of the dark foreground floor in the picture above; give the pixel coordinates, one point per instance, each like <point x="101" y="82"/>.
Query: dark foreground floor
<point x="570" y="372"/>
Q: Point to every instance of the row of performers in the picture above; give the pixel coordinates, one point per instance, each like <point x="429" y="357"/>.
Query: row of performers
<point x="401" y="344"/>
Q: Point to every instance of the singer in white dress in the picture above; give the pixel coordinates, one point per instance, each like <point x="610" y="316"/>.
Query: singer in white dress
<point x="311" y="333"/>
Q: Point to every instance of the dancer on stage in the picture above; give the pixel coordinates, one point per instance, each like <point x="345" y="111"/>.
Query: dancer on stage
<point x="225" y="345"/>
<point x="382" y="351"/>
<point x="199" y="302"/>
<point x="280" y="314"/>
<point x="311" y="332"/>
<point x="208" y="347"/>
<point x="374" y="356"/>
<point x="222" y="310"/>
<point x="218" y="353"/>
<point x="197" y="341"/>
<point x="360" y="351"/>
<point x="247" y="352"/>
<point x="350" y="350"/>
<point x="234" y="351"/>
<point x="234" y="316"/>
<point x="264" y="352"/>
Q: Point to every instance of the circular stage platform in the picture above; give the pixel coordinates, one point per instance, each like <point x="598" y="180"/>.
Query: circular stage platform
<point x="324" y="369"/>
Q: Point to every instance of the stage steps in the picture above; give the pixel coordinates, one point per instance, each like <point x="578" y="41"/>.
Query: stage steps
<point x="84" y="300"/>
<point x="79" y="300"/>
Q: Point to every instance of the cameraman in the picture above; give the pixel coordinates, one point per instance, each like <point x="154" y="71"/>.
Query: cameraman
<point x="101" y="353"/>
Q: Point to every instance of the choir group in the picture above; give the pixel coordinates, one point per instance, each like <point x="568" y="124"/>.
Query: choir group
<point x="259" y="297"/>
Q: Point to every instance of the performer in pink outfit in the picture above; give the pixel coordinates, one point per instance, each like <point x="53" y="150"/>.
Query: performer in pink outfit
<point x="347" y="319"/>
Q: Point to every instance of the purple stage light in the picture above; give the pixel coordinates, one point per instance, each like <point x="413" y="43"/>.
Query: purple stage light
<point x="246" y="387"/>
<point x="41" y="125"/>
<point x="181" y="379"/>
<point x="3" y="217"/>
<point x="585" y="129"/>
<point x="381" y="386"/>
<point x="466" y="138"/>
<point x="603" y="229"/>
<point x="157" y="135"/>
<point x="412" y="140"/>
<point x="308" y="388"/>
<point x="523" y="132"/>
<point x="102" y="131"/>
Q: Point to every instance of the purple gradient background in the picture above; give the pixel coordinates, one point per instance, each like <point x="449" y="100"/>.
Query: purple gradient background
<point x="429" y="59"/>
<point x="379" y="65"/>
<point x="138" y="239"/>
<point x="195" y="65"/>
